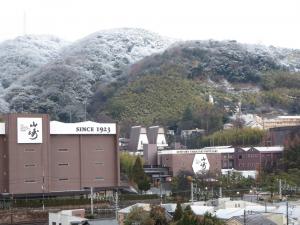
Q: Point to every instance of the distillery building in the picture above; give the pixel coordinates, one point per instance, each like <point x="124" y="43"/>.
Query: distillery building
<point x="221" y="159"/>
<point x="42" y="156"/>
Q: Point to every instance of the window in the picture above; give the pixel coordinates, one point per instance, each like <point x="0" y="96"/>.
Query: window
<point x="30" y="181"/>
<point x="63" y="164"/>
<point x="29" y="165"/>
<point x="63" y="150"/>
<point x="99" y="178"/>
<point x="100" y="163"/>
<point x="240" y="156"/>
<point x="53" y="223"/>
<point x="63" y="179"/>
<point x="29" y="150"/>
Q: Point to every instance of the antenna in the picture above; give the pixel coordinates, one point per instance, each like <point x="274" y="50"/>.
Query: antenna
<point x="24" y="23"/>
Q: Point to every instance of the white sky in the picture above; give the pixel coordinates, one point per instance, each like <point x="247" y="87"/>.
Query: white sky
<point x="271" y="22"/>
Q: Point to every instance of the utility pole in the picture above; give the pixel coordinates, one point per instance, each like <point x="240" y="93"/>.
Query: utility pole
<point x="24" y="23"/>
<point x="85" y="110"/>
<point x="160" y="189"/>
<point x="280" y="189"/>
<point x="43" y="187"/>
<point x="287" y="212"/>
<point x="70" y="116"/>
<point x="92" y="201"/>
<point x="117" y="204"/>
<point x="266" y="207"/>
<point x="192" y="191"/>
<point x="244" y="216"/>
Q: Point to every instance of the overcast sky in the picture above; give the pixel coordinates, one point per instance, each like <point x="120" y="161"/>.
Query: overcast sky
<point x="271" y="22"/>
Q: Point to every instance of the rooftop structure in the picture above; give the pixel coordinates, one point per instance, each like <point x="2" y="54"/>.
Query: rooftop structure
<point x="281" y="121"/>
<point x="138" y="137"/>
<point x="156" y="135"/>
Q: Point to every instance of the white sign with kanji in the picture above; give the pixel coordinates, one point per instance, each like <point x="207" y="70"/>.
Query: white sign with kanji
<point x="200" y="163"/>
<point x="30" y="130"/>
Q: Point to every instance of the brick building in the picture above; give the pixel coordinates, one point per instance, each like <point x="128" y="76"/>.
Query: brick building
<point x="39" y="156"/>
<point x="220" y="158"/>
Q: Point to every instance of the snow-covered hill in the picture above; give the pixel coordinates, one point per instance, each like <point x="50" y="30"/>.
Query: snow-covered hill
<point x="62" y="86"/>
<point x="46" y="74"/>
<point x="25" y="54"/>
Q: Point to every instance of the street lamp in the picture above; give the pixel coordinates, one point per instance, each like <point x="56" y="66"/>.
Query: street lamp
<point x="190" y="179"/>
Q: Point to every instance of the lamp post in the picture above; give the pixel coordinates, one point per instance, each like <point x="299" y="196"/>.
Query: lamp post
<point x="92" y="201"/>
<point x="191" y="179"/>
<point x="85" y="110"/>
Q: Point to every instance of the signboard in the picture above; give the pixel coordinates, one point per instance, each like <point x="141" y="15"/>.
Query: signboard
<point x="200" y="163"/>
<point x="30" y="130"/>
<point x="82" y="128"/>
<point x="2" y="128"/>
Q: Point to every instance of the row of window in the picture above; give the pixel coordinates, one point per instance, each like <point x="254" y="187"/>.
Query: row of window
<point x="61" y="150"/>
<point x="252" y="165"/>
<point x="249" y="156"/>
<point x="228" y="156"/>
<point x="61" y="179"/>
<point x="59" y="164"/>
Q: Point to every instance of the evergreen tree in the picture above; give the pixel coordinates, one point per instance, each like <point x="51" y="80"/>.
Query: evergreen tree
<point x="292" y="151"/>
<point x="178" y="212"/>
<point x="188" y="218"/>
<point x="138" y="171"/>
<point x="157" y="213"/>
<point x="139" y="176"/>
<point x="144" y="184"/>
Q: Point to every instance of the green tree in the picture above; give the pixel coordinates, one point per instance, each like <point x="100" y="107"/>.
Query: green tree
<point x="292" y="151"/>
<point x="136" y="215"/>
<point x="178" y="212"/>
<point x="139" y="176"/>
<point x="180" y="185"/>
<point x="209" y="219"/>
<point x="126" y="163"/>
<point x="188" y="217"/>
<point x="138" y="170"/>
<point x="144" y="184"/>
<point x="157" y="213"/>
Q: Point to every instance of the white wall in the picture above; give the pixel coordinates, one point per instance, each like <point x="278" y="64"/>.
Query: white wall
<point x="2" y="128"/>
<point x="63" y="219"/>
<point x="143" y="139"/>
<point x="161" y="140"/>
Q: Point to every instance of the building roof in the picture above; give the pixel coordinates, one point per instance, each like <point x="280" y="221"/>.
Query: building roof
<point x="266" y="149"/>
<point x="289" y="117"/>
<point x="200" y="210"/>
<point x="253" y="219"/>
<point x="215" y="149"/>
<point x="127" y="210"/>
<point x="87" y="127"/>
<point x="170" y="207"/>
<point x="229" y="213"/>
<point x="103" y="222"/>
<point x="135" y="134"/>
